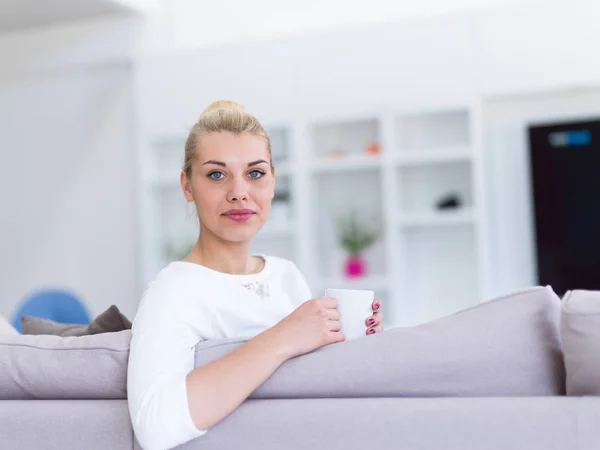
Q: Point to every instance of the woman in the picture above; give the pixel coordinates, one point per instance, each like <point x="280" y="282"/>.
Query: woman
<point x="220" y="291"/>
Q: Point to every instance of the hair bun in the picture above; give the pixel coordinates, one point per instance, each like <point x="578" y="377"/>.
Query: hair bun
<point x="223" y="105"/>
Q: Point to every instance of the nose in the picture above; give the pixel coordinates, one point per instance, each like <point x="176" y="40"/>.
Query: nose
<point x="238" y="190"/>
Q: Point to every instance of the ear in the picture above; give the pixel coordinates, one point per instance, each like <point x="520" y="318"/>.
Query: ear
<point x="186" y="187"/>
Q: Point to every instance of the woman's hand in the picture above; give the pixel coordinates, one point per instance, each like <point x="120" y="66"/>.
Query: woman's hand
<point x="375" y="322"/>
<point x="313" y="324"/>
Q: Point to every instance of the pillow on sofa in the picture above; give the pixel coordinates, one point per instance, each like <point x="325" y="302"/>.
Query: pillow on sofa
<point x="509" y="346"/>
<point x="505" y="347"/>
<point x="109" y="321"/>
<point x="54" y="367"/>
<point x="6" y="329"/>
<point x="580" y="333"/>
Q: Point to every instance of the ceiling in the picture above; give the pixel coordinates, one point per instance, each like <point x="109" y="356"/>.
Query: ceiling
<point x="22" y="14"/>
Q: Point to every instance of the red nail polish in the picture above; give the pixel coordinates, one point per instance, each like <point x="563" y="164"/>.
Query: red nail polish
<point x="371" y="322"/>
<point x="371" y="331"/>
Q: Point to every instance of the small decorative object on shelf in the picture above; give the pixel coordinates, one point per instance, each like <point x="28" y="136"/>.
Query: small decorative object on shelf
<point x="355" y="238"/>
<point x="336" y="153"/>
<point x="450" y="201"/>
<point x="373" y="149"/>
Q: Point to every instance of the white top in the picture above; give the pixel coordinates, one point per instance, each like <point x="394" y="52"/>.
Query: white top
<point x="185" y="304"/>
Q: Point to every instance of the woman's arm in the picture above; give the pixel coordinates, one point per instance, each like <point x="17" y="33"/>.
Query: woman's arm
<point x="217" y="389"/>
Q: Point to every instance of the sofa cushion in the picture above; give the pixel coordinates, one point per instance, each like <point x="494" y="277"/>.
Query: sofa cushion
<point x="109" y="321"/>
<point x="505" y="347"/>
<point x="65" y="425"/>
<point x="540" y="423"/>
<point x="509" y="346"/>
<point x="580" y="334"/>
<point x="54" y="367"/>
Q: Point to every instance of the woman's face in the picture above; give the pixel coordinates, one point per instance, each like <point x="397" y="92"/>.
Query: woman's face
<point x="231" y="184"/>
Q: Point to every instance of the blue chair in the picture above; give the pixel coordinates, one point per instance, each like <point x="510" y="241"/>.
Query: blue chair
<point x="57" y="305"/>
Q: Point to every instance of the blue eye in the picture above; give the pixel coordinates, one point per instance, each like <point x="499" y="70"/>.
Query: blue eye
<point x="259" y="173"/>
<point x="210" y="175"/>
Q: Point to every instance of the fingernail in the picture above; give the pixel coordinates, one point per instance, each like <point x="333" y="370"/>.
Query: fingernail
<point x="371" y="331"/>
<point x="371" y="322"/>
<point x="377" y="305"/>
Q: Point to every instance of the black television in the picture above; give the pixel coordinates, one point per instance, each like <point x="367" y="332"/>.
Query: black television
<point x="565" y="183"/>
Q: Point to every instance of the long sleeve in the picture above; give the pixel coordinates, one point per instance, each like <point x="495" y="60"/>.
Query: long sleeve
<point x="161" y="356"/>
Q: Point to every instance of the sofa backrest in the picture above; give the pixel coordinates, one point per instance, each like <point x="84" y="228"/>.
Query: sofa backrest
<point x="509" y="346"/>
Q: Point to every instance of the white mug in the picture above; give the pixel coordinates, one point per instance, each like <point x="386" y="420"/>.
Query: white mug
<point x="355" y="306"/>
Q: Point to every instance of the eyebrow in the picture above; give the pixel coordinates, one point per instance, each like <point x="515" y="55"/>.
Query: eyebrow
<point x="222" y="164"/>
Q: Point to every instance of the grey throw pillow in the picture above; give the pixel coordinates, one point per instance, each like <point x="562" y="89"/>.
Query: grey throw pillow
<point x="110" y="321"/>
<point x="74" y="367"/>
<point x="580" y="334"/>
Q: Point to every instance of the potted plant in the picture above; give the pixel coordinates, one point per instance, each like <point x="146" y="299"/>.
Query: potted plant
<point x="355" y="238"/>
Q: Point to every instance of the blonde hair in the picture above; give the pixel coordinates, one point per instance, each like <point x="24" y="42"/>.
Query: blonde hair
<point x="222" y="115"/>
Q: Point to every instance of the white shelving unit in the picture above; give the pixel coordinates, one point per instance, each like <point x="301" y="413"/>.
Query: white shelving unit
<point x="438" y="155"/>
<point x="392" y="168"/>
<point x="438" y="219"/>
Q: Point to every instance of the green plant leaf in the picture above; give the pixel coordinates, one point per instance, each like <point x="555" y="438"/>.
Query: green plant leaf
<point x="354" y="237"/>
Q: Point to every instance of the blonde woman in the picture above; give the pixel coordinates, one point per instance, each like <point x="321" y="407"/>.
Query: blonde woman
<point x="219" y="290"/>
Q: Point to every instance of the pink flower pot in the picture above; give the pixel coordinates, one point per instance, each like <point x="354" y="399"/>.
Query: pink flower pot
<point x="355" y="267"/>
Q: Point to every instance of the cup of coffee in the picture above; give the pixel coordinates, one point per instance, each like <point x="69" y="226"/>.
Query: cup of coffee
<point x="354" y="306"/>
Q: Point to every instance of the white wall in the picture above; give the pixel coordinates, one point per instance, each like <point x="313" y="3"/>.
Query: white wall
<point x="538" y="47"/>
<point x="205" y="24"/>
<point x="67" y="169"/>
<point x="420" y="62"/>
<point x="319" y="74"/>
<point x="84" y="44"/>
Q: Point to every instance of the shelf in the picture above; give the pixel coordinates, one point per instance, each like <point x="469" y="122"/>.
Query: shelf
<point x="435" y="156"/>
<point x="279" y="136"/>
<point x="430" y="131"/>
<point x="441" y="276"/>
<point x="347" y="163"/>
<point x="352" y="137"/>
<point x="333" y="199"/>
<point x="464" y="216"/>
<point x="422" y="187"/>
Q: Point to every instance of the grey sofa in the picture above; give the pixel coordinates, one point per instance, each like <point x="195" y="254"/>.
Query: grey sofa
<point x="518" y="372"/>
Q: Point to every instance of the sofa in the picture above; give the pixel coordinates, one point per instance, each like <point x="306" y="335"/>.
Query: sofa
<point x="520" y="372"/>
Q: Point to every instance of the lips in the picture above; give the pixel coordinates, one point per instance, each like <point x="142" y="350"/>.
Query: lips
<point x="239" y="215"/>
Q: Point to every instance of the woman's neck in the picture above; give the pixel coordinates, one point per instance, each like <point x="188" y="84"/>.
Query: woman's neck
<point x="225" y="257"/>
